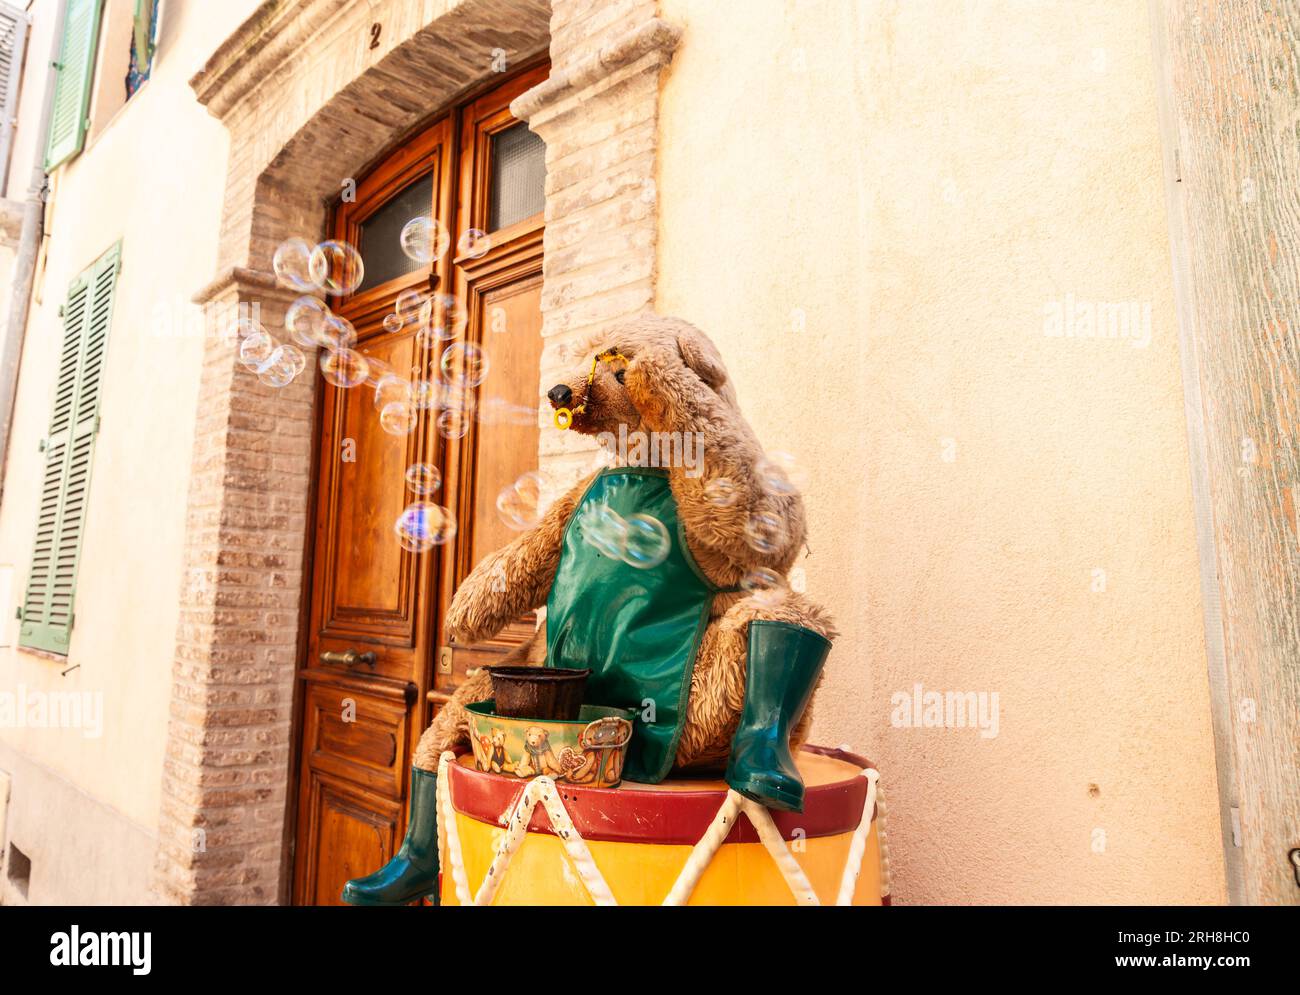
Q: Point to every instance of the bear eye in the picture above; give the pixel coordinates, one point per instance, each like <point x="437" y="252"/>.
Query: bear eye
<point x="620" y="375"/>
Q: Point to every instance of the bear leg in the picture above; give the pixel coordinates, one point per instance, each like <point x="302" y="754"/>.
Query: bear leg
<point x="718" y="682"/>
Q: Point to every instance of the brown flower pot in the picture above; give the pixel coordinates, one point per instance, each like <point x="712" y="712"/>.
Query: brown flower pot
<point x="538" y="692"/>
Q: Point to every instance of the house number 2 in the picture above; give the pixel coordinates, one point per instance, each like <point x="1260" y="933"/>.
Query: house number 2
<point x="376" y="30"/>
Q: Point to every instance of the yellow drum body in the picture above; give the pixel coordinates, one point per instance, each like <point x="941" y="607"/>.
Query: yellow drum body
<point x="639" y="838"/>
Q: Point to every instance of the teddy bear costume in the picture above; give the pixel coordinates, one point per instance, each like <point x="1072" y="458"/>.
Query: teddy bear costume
<point x="640" y="632"/>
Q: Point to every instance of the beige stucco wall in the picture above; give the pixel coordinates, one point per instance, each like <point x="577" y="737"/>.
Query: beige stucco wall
<point x="871" y="206"/>
<point x="154" y="178"/>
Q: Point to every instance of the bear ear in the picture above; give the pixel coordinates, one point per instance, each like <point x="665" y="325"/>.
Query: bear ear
<point x="702" y="357"/>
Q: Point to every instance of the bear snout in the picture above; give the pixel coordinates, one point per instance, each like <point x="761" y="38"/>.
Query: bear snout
<point x="560" y="396"/>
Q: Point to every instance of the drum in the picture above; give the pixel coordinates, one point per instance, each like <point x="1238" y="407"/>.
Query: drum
<point x="681" y="842"/>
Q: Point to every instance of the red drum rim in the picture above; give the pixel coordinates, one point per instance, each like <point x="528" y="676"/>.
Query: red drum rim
<point x="630" y="814"/>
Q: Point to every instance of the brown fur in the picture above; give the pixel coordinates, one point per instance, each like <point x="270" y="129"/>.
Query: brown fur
<point x="675" y="381"/>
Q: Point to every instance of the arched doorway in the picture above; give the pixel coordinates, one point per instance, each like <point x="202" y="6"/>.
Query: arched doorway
<point x="375" y="664"/>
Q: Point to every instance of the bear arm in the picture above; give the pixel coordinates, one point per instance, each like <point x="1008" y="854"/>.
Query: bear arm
<point x="513" y="580"/>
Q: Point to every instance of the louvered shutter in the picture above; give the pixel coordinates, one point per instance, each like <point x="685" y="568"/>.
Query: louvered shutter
<point x="13" y="38"/>
<point x="72" y="88"/>
<point x="65" y="486"/>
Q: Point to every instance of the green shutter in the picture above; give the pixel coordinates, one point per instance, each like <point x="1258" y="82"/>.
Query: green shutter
<point x="13" y="41"/>
<point x="72" y="89"/>
<point x="65" y="486"/>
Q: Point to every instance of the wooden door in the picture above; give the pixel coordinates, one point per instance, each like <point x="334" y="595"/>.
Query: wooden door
<point x="372" y="673"/>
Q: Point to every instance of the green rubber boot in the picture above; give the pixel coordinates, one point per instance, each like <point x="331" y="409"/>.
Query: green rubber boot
<point x="413" y="871"/>
<point x="784" y="661"/>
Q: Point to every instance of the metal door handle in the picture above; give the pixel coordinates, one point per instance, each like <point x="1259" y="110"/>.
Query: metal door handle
<point x="349" y="659"/>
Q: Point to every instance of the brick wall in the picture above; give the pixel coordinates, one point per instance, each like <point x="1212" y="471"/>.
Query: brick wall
<point x="598" y="114"/>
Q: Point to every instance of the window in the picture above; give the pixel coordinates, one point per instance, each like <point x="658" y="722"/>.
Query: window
<point x="144" y="38"/>
<point x="13" y="38"/>
<point x="69" y="118"/>
<point x="107" y="54"/>
<point x="47" y="609"/>
<point x="518" y="176"/>
<point x="380" y="241"/>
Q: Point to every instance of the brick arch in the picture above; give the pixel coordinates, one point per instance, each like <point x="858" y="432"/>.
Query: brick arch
<point x="308" y="103"/>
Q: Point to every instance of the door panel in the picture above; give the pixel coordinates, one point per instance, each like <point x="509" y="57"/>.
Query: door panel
<point x="368" y="646"/>
<point x="502" y="295"/>
<point x="372" y="663"/>
<point x="357" y="736"/>
<point x="510" y="391"/>
<point x="370" y="581"/>
<point x="346" y="834"/>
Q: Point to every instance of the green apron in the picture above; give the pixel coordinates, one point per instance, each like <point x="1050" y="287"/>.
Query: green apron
<point x="637" y="629"/>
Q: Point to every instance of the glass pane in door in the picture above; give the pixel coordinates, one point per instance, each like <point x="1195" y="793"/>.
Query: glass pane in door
<point x="380" y="247"/>
<point x="518" y="186"/>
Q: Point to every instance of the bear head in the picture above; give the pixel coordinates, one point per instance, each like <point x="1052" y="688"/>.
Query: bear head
<point x="595" y="392"/>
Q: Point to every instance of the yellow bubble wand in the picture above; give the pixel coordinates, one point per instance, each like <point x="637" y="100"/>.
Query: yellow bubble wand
<point x="564" y="416"/>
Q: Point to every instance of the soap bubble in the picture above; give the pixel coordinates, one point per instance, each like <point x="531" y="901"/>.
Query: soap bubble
<point x="424" y="393"/>
<point x="647" y="543"/>
<point x="442" y="317"/>
<point x="290" y="358"/>
<point x="453" y="423"/>
<point x="423" y="478"/>
<point x="305" y="321"/>
<point x="338" y="332"/>
<point x="378" y="371"/>
<point x="424" y="239"/>
<point x="256" y="349"/>
<point x="292" y="264"/>
<point x="409" y="305"/>
<point x="285" y="363"/>
<point x="423" y="525"/>
<point x="393" y="323"/>
<point x="344" y="367"/>
<point x="604" y="528"/>
<point x="464" y="365"/>
<point x="397" y="418"/>
<point x="522" y="504"/>
<point x="721" y="492"/>
<point x="245" y="326"/>
<point x="473" y="243"/>
<point x="454" y="397"/>
<point x="779" y="474"/>
<point x="765" y="586"/>
<point x="765" y="532"/>
<point x="392" y="389"/>
<point x="336" y="267"/>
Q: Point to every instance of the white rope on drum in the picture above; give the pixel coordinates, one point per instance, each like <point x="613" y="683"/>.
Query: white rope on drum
<point x="853" y="865"/>
<point x="776" y="846"/>
<point x="543" y="789"/>
<point x="885" y="879"/>
<point x="574" y="844"/>
<point x="520" y="815"/>
<point x="704" y="850"/>
<point x="447" y="817"/>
